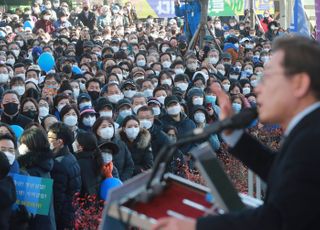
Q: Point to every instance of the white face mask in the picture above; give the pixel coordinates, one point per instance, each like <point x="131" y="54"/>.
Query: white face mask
<point x="199" y="117"/>
<point x="115" y="48"/>
<point x="265" y="59"/>
<point x="213" y="60"/>
<point x="114" y="81"/>
<point x="183" y="86"/>
<point x="174" y="110"/>
<point x="46" y="17"/>
<point x="125" y="74"/>
<point x="226" y="87"/>
<point x="233" y="76"/>
<point x="89" y="121"/>
<point x="76" y="92"/>
<point x="141" y="63"/>
<point x="115" y="98"/>
<point x="125" y="113"/>
<point x="43" y="111"/>
<point x="16" y="53"/>
<point x="246" y="90"/>
<point x="70" y="120"/>
<point x="107" y="157"/>
<point x="11" y="157"/>
<point x="148" y="92"/>
<point x="85" y="104"/>
<point x="145" y="123"/>
<point x="120" y="76"/>
<point x="107" y="133"/>
<point x="254" y="83"/>
<point x="75" y="147"/>
<point x="197" y="101"/>
<point x="223" y="72"/>
<point x="106" y="114"/>
<point x="20" y="43"/>
<point x="129" y="93"/>
<point x="82" y="86"/>
<point x="164" y="49"/>
<point x="133" y="41"/>
<point x="23" y="149"/>
<point x="11" y="61"/>
<point x="156" y="111"/>
<point x="166" y="64"/>
<point x="19" y="89"/>
<point x="166" y="82"/>
<point x="161" y="99"/>
<point x="52" y="146"/>
<point x="132" y="133"/>
<point x="179" y="71"/>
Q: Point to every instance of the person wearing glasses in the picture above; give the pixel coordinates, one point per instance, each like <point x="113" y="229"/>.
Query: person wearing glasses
<point x="65" y="174"/>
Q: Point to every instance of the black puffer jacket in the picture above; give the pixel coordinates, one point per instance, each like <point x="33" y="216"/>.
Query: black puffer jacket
<point x="183" y="126"/>
<point x="90" y="180"/>
<point x="158" y="139"/>
<point x="7" y="199"/>
<point x="66" y="182"/>
<point x="123" y="160"/>
<point x="140" y="149"/>
<point x="39" y="164"/>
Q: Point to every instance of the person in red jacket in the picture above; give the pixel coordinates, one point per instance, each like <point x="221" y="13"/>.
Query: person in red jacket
<point x="265" y="21"/>
<point x="44" y="23"/>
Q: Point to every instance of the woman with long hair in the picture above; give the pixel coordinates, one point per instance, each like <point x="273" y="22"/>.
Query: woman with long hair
<point x="138" y="141"/>
<point x="37" y="160"/>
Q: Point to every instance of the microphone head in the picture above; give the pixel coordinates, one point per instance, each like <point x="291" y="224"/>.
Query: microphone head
<point x="244" y="118"/>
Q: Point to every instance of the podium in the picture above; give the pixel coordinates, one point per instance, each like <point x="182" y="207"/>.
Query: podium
<point x="175" y="196"/>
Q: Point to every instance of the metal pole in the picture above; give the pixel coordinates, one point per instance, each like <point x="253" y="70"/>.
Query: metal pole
<point x="203" y="20"/>
<point x="283" y="10"/>
<point x="252" y="22"/>
<point x="250" y="183"/>
<point x="317" y="9"/>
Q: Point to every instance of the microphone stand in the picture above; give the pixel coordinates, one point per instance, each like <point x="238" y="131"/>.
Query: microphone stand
<point x="198" y="134"/>
<point x="238" y="121"/>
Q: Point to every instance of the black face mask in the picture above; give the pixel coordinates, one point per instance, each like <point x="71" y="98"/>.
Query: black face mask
<point x="31" y="114"/>
<point x="93" y="94"/>
<point x="11" y="108"/>
<point x="67" y="69"/>
<point x="182" y="46"/>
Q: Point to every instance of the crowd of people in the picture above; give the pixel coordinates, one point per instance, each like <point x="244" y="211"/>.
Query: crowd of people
<point x="121" y="88"/>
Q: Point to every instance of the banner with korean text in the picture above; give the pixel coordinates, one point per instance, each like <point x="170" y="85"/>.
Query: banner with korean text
<point x="35" y="193"/>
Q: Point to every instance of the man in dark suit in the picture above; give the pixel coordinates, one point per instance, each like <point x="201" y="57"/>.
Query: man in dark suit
<point x="87" y="17"/>
<point x="289" y="95"/>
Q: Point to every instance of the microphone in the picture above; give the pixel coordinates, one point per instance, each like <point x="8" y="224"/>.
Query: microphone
<point x="238" y="121"/>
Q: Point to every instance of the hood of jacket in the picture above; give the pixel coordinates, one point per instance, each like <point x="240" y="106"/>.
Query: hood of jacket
<point x="142" y="141"/>
<point x="43" y="160"/>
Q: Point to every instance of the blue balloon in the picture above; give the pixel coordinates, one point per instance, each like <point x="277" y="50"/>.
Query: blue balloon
<point x="108" y="184"/>
<point x="27" y="24"/>
<point x="46" y="61"/>
<point x="18" y="130"/>
<point x="76" y="70"/>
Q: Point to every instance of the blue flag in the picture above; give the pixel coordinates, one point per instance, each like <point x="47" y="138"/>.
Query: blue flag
<point x="299" y="23"/>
